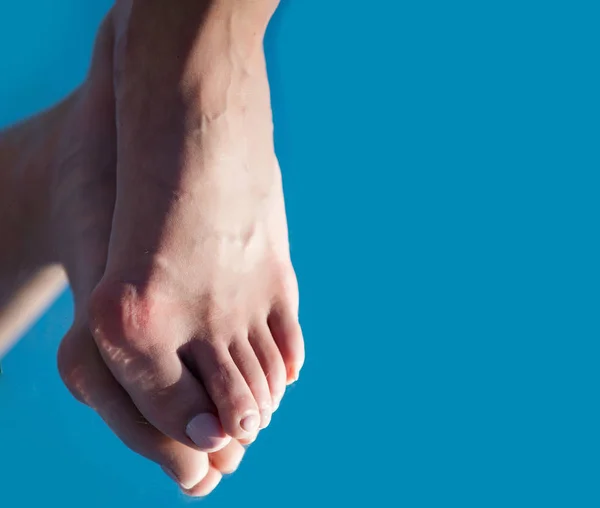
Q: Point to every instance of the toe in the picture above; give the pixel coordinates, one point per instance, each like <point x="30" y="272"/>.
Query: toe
<point x="237" y="408"/>
<point x="90" y="381"/>
<point x="271" y="361"/>
<point x="245" y="358"/>
<point x="178" y="405"/>
<point x="207" y="485"/>
<point x="229" y="458"/>
<point x="286" y="331"/>
<point x="130" y="338"/>
<point x="248" y="441"/>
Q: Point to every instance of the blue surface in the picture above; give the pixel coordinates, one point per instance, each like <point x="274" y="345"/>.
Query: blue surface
<point x="441" y="163"/>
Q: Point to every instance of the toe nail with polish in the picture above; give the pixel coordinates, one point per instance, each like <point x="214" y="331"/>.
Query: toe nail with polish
<point x="206" y="432"/>
<point x="250" y="423"/>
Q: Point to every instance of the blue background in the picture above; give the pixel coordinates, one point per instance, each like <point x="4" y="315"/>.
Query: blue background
<point x="441" y="164"/>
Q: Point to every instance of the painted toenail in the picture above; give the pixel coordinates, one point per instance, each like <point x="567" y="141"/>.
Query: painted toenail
<point x="205" y="430"/>
<point x="250" y="423"/>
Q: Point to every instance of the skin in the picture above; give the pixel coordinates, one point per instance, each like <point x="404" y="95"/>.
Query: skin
<point x="196" y="314"/>
<point x="58" y="186"/>
<point x="193" y="303"/>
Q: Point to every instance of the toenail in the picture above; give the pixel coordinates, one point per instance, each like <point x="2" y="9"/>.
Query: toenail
<point x="206" y="432"/>
<point x="250" y="423"/>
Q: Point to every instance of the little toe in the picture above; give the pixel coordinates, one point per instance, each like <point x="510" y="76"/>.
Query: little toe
<point x="237" y="408"/>
<point x="287" y="333"/>
<point x="245" y="358"/>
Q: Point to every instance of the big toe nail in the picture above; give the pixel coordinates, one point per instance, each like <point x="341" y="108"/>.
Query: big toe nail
<point x="206" y="432"/>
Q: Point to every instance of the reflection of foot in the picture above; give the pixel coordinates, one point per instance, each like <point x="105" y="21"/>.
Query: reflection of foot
<point x="199" y="290"/>
<point x="82" y="214"/>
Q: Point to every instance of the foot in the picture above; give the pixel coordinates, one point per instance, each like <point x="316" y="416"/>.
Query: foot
<point x="199" y="301"/>
<point x="83" y="201"/>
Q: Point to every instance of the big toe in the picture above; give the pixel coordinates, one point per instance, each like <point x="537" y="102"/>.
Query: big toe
<point x="160" y="385"/>
<point x="206" y="432"/>
<point x="90" y="381"/>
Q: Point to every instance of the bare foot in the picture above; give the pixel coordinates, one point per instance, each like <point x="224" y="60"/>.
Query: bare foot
<point x="84" y="193"/>
<point x="199" y="290"/>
